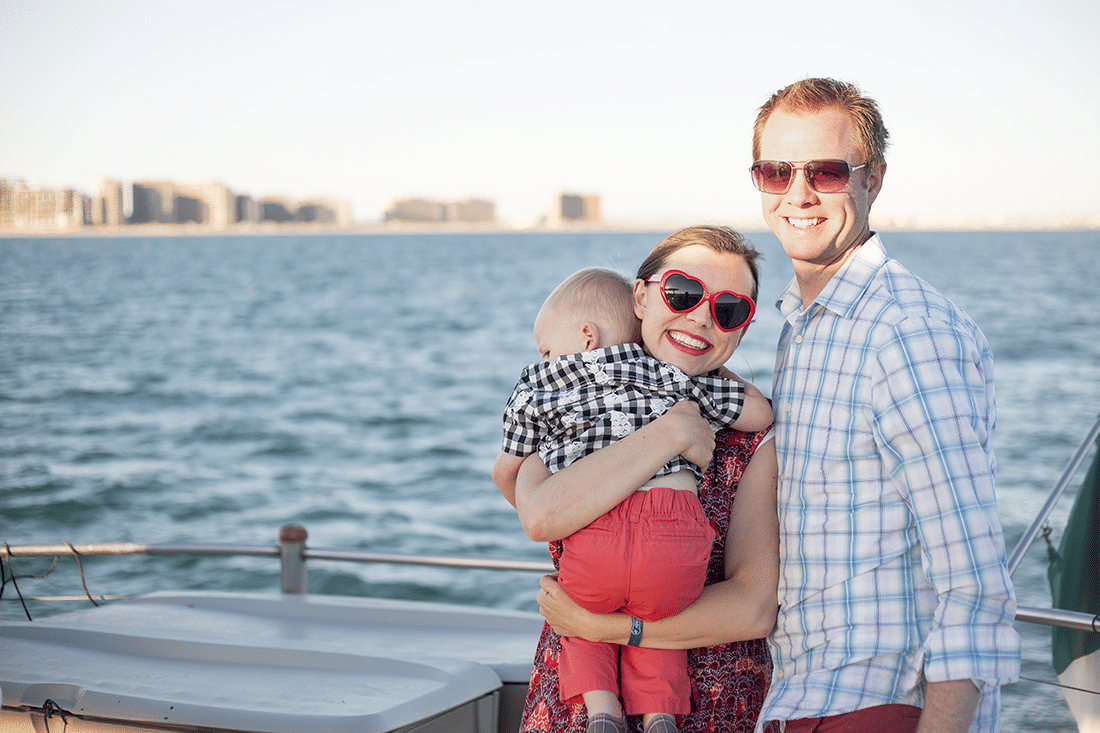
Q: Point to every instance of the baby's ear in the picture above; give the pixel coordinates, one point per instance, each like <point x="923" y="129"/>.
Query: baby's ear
<point x="591" y="333"/>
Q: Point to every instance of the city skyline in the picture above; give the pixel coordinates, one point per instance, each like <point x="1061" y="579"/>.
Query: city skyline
<point x="213" y="206"/>
<point x="207" y="204"/>
<point x="648" y="103"/>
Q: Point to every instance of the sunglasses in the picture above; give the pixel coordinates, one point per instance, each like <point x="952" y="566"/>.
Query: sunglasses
<point x="683" y="293"/>
<point x="824" y="176"/>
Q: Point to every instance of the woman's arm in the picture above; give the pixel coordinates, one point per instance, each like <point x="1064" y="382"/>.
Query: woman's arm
<point x="554" y="506"/>
<point x="741" y="607"/>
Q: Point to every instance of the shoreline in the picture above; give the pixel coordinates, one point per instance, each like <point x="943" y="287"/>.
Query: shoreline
<point x="174" y="230"/>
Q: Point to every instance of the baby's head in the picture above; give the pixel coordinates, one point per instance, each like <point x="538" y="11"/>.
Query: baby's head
<point x="591" y="309"/>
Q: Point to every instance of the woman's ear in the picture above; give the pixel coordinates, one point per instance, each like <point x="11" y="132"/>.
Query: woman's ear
<point x="640" y="291"/>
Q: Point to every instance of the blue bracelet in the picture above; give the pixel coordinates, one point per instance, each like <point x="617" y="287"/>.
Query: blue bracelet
<point x="635" y="631"/>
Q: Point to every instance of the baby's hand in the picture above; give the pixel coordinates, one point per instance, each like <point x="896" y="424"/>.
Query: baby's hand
<point x="693" y="433"/>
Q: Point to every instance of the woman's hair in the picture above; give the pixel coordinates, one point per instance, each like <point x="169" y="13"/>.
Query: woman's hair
<point x="813" y="95"/>
<point x="602" y="296"/>
<point x="720" y="239"/>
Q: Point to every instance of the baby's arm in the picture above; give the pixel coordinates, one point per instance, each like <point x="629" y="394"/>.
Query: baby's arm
<point x="505" y="471"/>
<point x="756" y="411"/>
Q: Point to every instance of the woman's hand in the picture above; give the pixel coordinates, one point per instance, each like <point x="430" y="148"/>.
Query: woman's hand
<point x="565" y="617"/>
<point x="559" y="610"/>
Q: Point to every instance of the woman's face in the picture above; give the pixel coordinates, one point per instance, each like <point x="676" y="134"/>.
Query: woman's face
<point x="692" y="341"/>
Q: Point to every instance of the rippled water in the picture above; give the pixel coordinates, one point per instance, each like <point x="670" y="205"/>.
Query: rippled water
<point x="211" y="389"/>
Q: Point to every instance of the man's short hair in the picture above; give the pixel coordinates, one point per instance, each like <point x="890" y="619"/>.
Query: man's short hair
<point x="812" y="95"/>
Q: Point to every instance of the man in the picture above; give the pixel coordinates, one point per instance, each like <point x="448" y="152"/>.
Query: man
<point x="895" y="603"/>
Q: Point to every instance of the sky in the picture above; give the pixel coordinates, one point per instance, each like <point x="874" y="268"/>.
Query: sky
<point x="648" y="104"/>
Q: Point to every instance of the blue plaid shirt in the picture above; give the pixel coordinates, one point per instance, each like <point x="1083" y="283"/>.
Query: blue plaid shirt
<point x="893" y="568"/>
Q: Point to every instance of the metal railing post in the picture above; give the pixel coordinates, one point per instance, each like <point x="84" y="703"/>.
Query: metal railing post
<point x="292" y="540"/>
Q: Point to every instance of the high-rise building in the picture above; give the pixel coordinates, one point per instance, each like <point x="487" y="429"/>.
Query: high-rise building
<point x="574" y="207"/>
<point x="278" y="209"/>
<point x="211" y="204"/>
<point x="417" y="211"/>
<point x="108" y="204"/>
<point x="247" y="210"/>
<point x="472" y="211"/>
<point x="8" y="190"/>
<point x="154" y="203"/>
<point x="465" y="211"/>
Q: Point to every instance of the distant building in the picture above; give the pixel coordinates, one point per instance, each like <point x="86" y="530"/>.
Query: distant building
<point x="210" y="204"/>
<point x="22" y="207"/>
<point x="108" y="205"/>
<point x="472" y="211"/>
<point x="277" y="209"/>
<point x="154" y="203"/>
<point x="8" y="189"/>
<point x="416" y="211"/>
<point x="324" y="211"/>
<point x="420" y="211"/>
<point x="573" y="207"/>
<point x="247" y="210"/>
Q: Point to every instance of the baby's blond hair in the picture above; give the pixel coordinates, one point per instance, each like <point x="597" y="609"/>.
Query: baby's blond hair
<point x="603" y="297"/>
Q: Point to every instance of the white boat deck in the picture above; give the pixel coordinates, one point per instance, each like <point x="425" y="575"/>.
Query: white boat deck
<point x="270" y="664"/>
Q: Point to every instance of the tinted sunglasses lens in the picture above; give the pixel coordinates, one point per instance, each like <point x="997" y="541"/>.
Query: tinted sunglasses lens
<point x="827" y="176"/>
<point x="772" y="176"/>
<point x="731" y="312"/>
<point x="682" y="293"/>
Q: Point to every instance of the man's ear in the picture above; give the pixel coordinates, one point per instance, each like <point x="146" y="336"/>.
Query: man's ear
<point x="874" y="183"/>
<point x="591" y="333"/>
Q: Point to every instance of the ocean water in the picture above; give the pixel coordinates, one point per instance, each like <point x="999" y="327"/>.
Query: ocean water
<point x="211" y="389"/>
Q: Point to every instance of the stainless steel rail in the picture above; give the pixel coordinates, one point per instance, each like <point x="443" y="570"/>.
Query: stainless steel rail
<point x="293" y="553"/>
<point x="1060" y="485"/>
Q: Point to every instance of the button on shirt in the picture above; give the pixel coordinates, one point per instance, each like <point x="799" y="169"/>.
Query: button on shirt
<point x="892" y="556"/>
<point x="579" y="403"/>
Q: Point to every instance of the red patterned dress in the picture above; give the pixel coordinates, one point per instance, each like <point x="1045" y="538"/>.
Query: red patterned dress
<point x="728" y="681"/>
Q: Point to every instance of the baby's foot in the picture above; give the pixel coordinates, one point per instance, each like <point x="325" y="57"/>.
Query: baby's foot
<point x="605" y="723"/>
<point x="662" y="723"/>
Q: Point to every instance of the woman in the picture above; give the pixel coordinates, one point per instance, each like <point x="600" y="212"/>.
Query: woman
<point x="731" y="670"/>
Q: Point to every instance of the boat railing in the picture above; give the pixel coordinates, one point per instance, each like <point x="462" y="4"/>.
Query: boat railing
<point x="292" y="553"/>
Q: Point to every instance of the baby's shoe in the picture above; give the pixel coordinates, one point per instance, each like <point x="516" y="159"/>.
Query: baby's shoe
<point x="606" y="723"/>
<point x="662" y="723"/>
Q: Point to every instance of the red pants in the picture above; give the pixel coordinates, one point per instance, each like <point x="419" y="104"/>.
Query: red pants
<point x="881" y="719"/>
<point x="647" y="557"/>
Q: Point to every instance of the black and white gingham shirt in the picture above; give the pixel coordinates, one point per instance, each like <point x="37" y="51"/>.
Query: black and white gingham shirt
<point x="569" y="407"/>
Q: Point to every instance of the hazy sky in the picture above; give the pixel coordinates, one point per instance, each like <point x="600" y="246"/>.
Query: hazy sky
<point x="993" y="107"/>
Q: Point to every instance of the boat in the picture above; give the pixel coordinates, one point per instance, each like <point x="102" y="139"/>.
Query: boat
<point x="287" y="662"/>
<point x="293" y="662"/>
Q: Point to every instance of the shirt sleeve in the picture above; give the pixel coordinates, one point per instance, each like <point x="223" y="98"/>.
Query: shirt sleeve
<point x="934" y="415"/>
<point x="522" y="428"/>
<point x="720" y="400"/>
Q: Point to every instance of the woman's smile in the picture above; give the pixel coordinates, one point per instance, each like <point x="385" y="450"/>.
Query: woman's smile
<point x="689" y="342"/>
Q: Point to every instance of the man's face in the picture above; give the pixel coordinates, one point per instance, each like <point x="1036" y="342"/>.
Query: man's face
<point x="817" y="229"/>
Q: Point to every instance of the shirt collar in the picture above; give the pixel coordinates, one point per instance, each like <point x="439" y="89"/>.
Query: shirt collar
<point x="844" y="290"/>
<point x="616" y="352"/>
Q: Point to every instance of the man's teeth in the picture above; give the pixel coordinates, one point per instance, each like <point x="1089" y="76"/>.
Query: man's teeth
<point x="803" y="223"/>
<point x="688" y="341"/>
